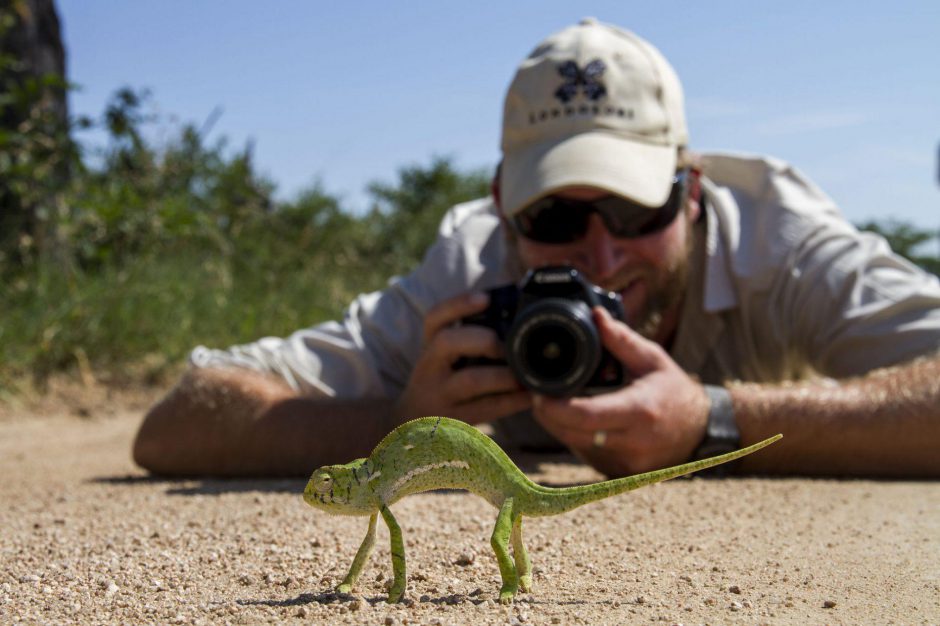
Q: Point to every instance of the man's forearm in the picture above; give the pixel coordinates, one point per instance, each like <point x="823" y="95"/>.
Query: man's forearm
<point x="297" y="435"/>
<point x="241" y="423"/>
<point x="886" y="423"/>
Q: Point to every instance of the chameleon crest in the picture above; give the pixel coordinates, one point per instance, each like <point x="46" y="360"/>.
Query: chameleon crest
<point x="441" y="453"/>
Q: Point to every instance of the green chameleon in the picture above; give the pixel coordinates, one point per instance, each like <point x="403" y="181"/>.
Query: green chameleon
<point x="441" y="453"/>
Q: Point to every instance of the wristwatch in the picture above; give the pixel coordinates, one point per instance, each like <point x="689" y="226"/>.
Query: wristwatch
<point x="721" y="433"/>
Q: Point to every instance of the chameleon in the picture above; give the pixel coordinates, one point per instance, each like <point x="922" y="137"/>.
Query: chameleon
<point x="441" y="453"/>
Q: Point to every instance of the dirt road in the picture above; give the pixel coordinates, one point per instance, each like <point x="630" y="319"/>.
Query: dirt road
<point x="87" y="537"/>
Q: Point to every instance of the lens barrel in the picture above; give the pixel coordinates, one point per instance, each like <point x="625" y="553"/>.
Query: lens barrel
<point x="553" y="346"/>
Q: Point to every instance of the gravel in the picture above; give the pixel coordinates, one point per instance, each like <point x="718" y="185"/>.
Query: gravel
<point x="89" y="538"/>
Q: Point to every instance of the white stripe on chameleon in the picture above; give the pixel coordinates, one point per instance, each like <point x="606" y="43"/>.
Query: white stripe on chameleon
<point x="374" y="476"/>
<point x="425" y="468"/>
<point x="409" y="446"/>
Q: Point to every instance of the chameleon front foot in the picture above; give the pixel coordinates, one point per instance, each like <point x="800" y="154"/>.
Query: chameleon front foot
<point x="499" y="540"/>
<point x="399" y="570"/>
<point x="365" y="549"/>
<point x="507" y="593"/>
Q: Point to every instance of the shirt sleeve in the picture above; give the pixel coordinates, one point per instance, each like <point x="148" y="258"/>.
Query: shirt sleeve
<point x="855" y="305"/>
<point x="372" y="350"/>
<point x="801" y="289"/>
<point x="841" y="297"/>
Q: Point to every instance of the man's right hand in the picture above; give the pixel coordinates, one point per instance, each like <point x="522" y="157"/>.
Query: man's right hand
<point x="472" y="394"/>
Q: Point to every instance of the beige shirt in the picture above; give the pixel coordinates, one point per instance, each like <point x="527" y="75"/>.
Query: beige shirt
<point x="782" y="286"/>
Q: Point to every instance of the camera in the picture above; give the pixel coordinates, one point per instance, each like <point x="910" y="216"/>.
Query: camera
<point x="552" y="344"/>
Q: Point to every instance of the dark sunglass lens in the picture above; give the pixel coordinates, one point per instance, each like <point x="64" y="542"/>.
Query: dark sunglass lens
<point x="552" y="220"/>
<point x="627" y="219"/>
<point x="623" y="218"/>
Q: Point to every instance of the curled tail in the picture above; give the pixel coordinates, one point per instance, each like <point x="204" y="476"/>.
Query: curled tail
<point x="554" y="500"/>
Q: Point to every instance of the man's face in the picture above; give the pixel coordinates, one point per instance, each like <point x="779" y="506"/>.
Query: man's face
<point x="649" y="272"/>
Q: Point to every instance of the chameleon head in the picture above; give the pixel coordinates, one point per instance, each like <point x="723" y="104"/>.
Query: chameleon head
<point x="336" y="489"/>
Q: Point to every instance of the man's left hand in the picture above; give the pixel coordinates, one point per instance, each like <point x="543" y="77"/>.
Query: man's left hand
<point x="655" y="421"/>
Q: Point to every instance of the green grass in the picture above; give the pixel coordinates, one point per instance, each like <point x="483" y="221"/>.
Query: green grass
<point x="155" y="309"/>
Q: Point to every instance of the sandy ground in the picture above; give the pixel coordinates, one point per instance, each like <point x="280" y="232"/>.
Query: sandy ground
<point x="87" y="537"/>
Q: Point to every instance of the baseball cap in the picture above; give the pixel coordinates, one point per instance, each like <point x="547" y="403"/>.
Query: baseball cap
<point x="593" y="105"/>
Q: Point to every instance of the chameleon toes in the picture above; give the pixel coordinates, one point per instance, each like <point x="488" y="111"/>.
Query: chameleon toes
<point x="506" y="596"/>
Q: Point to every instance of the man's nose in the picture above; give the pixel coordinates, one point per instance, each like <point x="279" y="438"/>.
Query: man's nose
<point x="601" y="252"/>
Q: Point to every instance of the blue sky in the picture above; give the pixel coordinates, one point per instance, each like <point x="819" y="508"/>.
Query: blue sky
<point x="347" y="93"/>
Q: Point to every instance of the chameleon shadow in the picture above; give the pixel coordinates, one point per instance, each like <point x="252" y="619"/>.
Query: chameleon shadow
<point x="324" y="597"/>
<point x="332" y="597"/>
<point x="178" y="486"/>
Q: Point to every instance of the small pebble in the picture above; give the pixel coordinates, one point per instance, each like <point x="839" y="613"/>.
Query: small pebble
<point x="734" y="589"/>
<point x="829" y="604"/>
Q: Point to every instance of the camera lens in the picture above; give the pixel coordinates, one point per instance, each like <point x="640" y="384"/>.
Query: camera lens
<point x="553" y="346"/>
<point x="550" y="350"/>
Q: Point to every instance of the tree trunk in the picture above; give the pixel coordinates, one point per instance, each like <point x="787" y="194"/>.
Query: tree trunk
<point x="33" y="122"/>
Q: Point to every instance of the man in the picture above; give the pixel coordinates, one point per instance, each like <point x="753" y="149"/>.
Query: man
<point x="751" y="308"/>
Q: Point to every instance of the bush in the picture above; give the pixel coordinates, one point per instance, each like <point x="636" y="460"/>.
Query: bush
<point x="160" y="249"/>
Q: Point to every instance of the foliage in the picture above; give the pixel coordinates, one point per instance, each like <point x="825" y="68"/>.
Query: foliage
<point x="160" y="248"/>
<point x="408" y="213"/>
<point x="908" y="241"/>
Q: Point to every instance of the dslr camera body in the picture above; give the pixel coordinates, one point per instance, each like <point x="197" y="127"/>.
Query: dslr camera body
<point x="552" y="344"/>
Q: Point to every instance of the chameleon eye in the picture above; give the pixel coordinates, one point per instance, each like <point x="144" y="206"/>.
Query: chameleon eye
<point x="323" y="483"/>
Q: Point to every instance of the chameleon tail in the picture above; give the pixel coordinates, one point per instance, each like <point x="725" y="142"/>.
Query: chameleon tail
<point x="557" y="500"/>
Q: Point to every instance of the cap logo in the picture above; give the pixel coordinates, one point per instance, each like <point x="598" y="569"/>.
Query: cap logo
<point x="587" y="79"/>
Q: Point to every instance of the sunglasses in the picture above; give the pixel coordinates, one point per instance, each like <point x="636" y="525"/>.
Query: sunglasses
<point x="561" y="220"/>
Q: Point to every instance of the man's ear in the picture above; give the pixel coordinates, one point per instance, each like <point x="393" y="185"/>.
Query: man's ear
<point x="503" y="220"/>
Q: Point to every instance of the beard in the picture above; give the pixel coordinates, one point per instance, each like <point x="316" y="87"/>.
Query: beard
<point x="666" y="287"/>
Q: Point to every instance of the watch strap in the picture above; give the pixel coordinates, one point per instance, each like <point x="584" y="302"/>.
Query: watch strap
<point x="721" y="431"/>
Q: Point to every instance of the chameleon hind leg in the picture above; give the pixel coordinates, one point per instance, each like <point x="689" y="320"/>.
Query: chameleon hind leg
<point x="500" y="542"/>
<point x="361" y="557"/>
<point x="521" y="555"/>
<point x="398" y="557"/>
